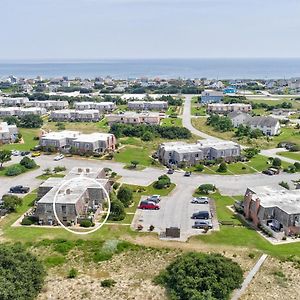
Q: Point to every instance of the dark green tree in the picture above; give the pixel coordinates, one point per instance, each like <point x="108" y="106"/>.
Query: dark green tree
<point x="125" y="195"/>
<point x="5" y="155"/>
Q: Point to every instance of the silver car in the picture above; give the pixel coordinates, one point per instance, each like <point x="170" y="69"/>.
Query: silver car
<point x="200" y="200"/>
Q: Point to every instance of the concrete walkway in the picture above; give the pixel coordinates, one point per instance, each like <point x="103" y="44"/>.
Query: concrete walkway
<point x="249" y="278"/>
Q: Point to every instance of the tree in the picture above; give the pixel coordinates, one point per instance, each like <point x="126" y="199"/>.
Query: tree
<point x="206" y="188"/>
<point x="199" y="276"/>
<point x="134" y="163"/>
<point x="21" y="274"/>
<point x="11" y="202"/>
<point x="117" y="210"/>
<point x="147" y="136"/>
<point x="5" y="155"/>
<point x="27" y="162"/>
<point x="125" y="195"/>
<point x="276" y="162"/>
<point x="11" y="120"/>
<point x="222" y="168"/>
<point x="163" y="182"/>
<point x="31" y="121"/>
<point x="251" y="152"/>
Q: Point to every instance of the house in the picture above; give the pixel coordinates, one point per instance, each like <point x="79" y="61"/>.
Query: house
<point x="8" y="133"/>
<point x="210" y="96"/>
<point x="88" y="115"/>
<point x="78" y="198"/>
<point x="10" y="101"/>
<point x="276" y="209"/>
<point x="148" y="105"/>
<point x="222" y="108"/>
<point x="129" y="117"/>
<point x="80" y="143"/>
<point x="176" y="153"/>
<point x="102" y="107"/>
<point x="230" y="90"/>
<point x="48" y="104"/>
<point x="21" y="111"/>
<point x="268" y="125"/>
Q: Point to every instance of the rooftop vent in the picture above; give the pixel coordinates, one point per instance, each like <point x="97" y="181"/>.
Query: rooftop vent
<point x="68" y="191"/>
<point x="87" y="170"/>
<point x="79" y="170"/>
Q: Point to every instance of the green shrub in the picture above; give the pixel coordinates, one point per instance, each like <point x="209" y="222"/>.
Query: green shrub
<point x="86" y="223"/>
<point x="117" y="210"/>
<point x="251" y="255"/>
<point x="27" y="162"/>
<point x="108" y="283"/>
<point x="206" y="188"/>
<point x="222" y="168"/>
<point x="11" y="202"/>
<point x="14" y="170"/>
<point x="58" y="169"/>
<point x="125" y="195"/>
<point x="21" y="274"/>
<point x="201" y="276"/>
<point x="199" y="168"/>
<point x="102" y="256"/>
<point x="72" y="273"/>
<point x="26" y="221"/>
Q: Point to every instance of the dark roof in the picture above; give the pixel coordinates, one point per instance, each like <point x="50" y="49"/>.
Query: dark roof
<point x="262" y="121"/>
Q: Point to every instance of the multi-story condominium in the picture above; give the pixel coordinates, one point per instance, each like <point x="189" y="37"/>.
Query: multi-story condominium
<point x="48" y="104"/>
<point x="175" y="153"/>
<point x="277" y="209"/>
<point x="101" y="106"/>
<point x="210" y="96"/>
<point x="8" y="133"/>
<point x="148" y="105"/>
<point x="21" y="111"/>
<point x="268" y="125"/>
<point x="78" y="199"/>
<point x="221" y="108"/>
<point x="89" y="115"/>
<point x="135" y="118"/>
<point x="9" y="101"/>
<point x="80" y="143"/>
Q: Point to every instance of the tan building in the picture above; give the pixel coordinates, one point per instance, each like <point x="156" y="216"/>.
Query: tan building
<point x="151" y="118"/>
<point x="221" y="108"/>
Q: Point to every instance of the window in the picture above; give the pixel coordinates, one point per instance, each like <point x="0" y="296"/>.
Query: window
<point x="64" y="209"/>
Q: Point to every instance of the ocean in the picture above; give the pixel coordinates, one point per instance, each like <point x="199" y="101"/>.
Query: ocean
<point x="151" y="68"/>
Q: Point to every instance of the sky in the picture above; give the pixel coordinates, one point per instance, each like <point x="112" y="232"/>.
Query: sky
<point x="124" y="29"/>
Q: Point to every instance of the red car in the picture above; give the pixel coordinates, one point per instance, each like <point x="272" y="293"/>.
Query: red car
<point x="148" y="205"/>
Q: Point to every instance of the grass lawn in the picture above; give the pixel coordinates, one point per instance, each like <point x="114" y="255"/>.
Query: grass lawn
<point x="28" y="135"/>
<point x="172" y="122"/>
<point x="174" y="110"/>
<point x="130" y="153"/>
<point x="290" y="134"/>
<point x="200" y="124"/>
<point x="292" y="155"/>
<point x="84" y="127"/>
<point x="296" y="104"/>
<point x="45" y="177"/>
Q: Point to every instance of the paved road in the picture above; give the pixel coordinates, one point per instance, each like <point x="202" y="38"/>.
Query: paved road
<point x="272" y="152"/>
<point x="186" y="119"/>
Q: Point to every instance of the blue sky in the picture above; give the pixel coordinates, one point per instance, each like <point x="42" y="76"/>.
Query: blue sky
<point x="91" y="29"/>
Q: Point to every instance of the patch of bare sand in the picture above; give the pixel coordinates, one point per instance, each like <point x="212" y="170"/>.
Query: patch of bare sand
<point x="275" y="280"/>
<point x="133" y="272"/>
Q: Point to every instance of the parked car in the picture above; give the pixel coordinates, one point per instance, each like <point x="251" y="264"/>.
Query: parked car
<point x="202" y="224"/>
<point x="154" y="198"/>
<point x="19" y="189"/>
<point x="170" y="171"/>
<point x="271" y="171"/>
<point x="59" y="157"/>
<point x="35" y="154"/>
<point x="23" y="153"/>
<point x="187" y="173"/>
<point x="200" y="200"/>
<point x="15" y="152"/>
<point x="148" y="205"/>
<point x="201" y="215"/>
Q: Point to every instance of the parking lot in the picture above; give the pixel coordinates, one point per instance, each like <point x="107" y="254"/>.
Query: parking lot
<point x="175" y="211"/>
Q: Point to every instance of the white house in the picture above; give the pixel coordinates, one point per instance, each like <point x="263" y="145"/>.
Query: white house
<point x="8" y="133"/>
